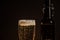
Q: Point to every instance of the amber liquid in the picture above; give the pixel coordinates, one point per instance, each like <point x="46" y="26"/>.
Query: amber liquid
<point x="25" y="32"/>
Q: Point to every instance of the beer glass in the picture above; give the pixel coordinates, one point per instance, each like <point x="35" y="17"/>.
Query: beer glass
<point x="26" y="29"/>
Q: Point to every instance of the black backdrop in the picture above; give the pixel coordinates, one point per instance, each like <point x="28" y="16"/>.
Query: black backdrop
<point x="13" y="10"/>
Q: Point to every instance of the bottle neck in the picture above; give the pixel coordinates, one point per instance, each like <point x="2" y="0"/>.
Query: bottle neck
<point x="47" y="11"/>
<point x="47" y="18"/>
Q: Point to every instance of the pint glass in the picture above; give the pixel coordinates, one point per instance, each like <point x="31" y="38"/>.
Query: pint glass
<point x="26" y="29"/>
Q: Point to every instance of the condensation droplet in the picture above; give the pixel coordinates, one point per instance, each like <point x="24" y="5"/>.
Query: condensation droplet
<point x="52" y="15"/>
<point x="41" y="22"/>
<point x="50" y="21"/>
<point x="52" y="8"/>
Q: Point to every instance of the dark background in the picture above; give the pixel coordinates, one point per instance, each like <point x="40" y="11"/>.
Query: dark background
<point x="13" y="10"/>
